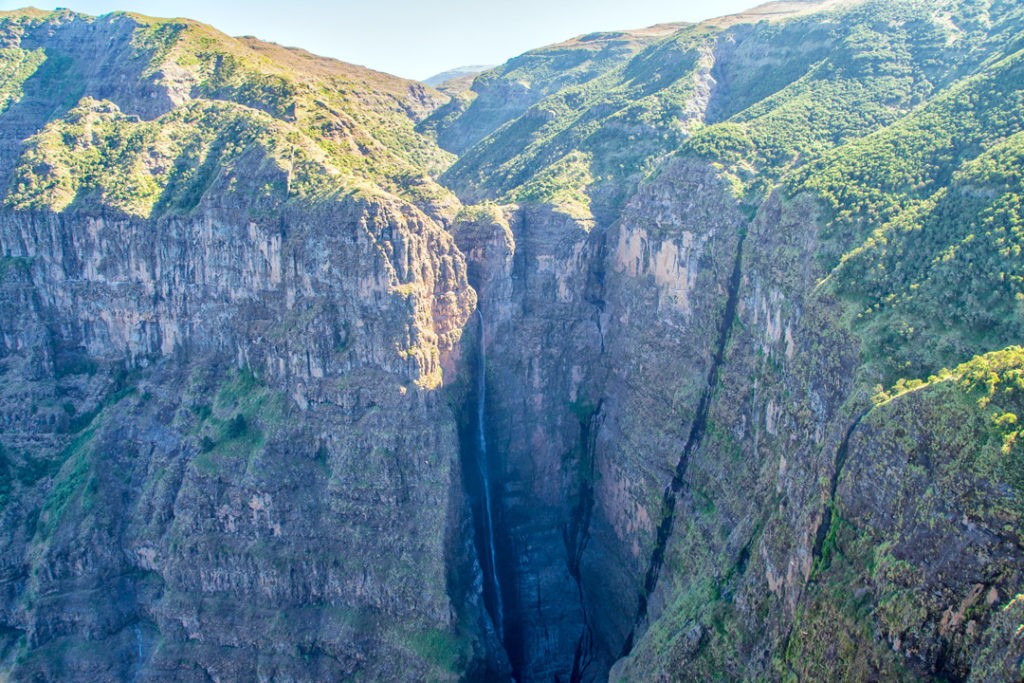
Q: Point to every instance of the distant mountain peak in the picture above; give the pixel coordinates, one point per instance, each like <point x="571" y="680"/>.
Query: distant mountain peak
<point x="458" y="73"/>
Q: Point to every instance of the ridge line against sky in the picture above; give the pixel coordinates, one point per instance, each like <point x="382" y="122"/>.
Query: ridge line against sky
<point x="415" y="39"/>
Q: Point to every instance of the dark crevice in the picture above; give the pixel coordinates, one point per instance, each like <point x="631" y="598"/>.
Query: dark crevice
<point x="826" y="520"/>
<point x="693" y="441"/>
<point x="739" y="567"/>
<point x="577" y="536"/>
<point x="825" y="527"/>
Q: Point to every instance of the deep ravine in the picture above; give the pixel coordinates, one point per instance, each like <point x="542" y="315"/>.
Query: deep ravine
<point x="483" y="486"/>
<point x="577" y="535"/>
<point x="316" y="373"/>
<point x="537" y="428"/>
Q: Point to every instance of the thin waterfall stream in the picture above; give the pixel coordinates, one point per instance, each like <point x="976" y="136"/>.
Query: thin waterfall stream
<point x="487" y="484"/>
<point x="552" y="638"/>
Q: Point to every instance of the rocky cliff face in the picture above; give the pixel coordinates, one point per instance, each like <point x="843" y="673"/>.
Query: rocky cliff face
<point x="225" y="451"/>
<point x="689" y="327"/>
<point x="542" y="332"/>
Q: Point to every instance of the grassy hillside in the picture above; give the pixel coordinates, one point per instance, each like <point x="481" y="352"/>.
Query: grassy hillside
<point x="325" y="125"/>
<point x="764" y="94"/>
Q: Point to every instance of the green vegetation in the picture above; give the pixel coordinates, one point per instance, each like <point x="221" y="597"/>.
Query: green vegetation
<point x="614" y="120"/>
<point x="595" y="136"/>
<point x="563" y="184"/>
<point x="98" y="157"/>
<point x="868" y="590"/>
<point x="992" y="387"/>
<point x="230" y="430"/>
<point x="96" y="149"/>
<point x="298" y="126"/>
<point x="828" y="89"/>
<point x="16" y="66"/>
<point x="585" y="139"/>
<point x="362" y="121"/>
<point x="832" y="636"/>
<point x="70" y="484"/>
<point x="871" y="180"/>
<point x="442" y="649"/>
<point x="944" y="280"/>
<point x="504" y="93"/>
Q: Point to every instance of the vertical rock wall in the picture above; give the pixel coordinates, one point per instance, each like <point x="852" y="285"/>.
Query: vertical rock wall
<point x="234" y="432"/>
<point x="534" y="274"/>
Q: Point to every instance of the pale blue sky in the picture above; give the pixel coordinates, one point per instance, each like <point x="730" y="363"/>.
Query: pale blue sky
<point x="411" y="38"/>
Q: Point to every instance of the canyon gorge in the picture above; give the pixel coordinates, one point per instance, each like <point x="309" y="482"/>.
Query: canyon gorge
<point x="681" y="353"/>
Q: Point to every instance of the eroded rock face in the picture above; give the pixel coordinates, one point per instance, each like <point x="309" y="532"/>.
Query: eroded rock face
<point x="226" y="450"/>
<point x="156" y="554"/>
<point x="278" y="441"/>
<point x="148" y="289"/>
<point x="534" y="274"/>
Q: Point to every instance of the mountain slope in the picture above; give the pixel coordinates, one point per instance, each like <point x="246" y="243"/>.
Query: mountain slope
<point x="355" y="122"/>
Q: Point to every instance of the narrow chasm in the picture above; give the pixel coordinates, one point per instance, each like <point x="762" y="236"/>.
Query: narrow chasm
<point x="482" y="481"/>
<point x="825" y="528"/>
<point x="586" y="661"/>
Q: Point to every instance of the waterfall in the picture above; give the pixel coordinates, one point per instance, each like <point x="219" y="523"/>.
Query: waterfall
<point x="487" y="484"/>
<point x="140" y="660"/>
